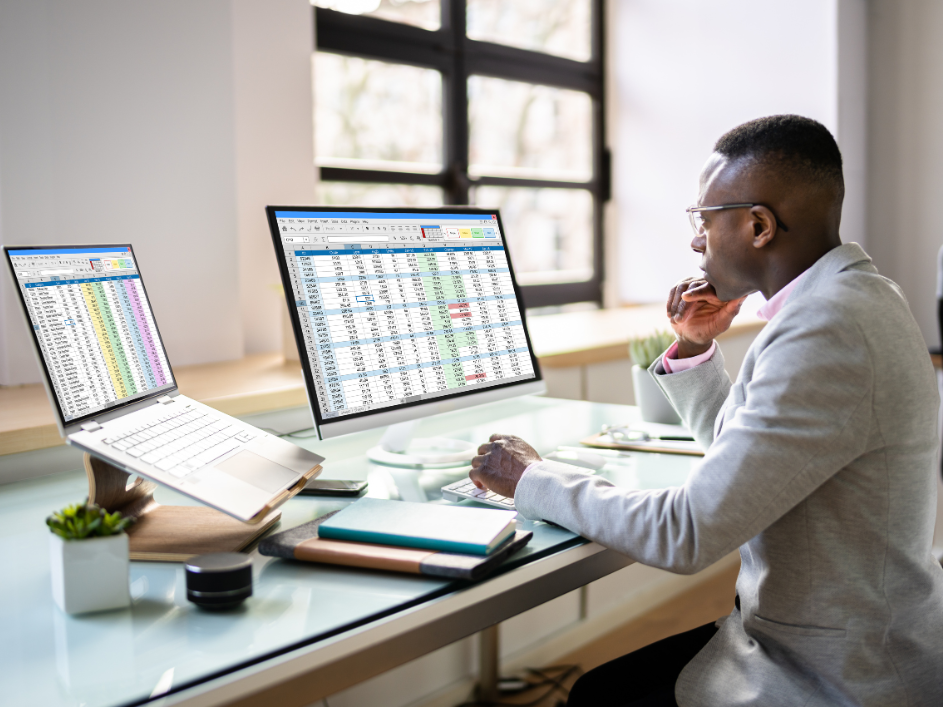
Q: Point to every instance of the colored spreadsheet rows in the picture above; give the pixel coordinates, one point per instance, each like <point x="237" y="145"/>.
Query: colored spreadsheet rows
<point x="99" y="340"/>
<point x="384" y="326"/>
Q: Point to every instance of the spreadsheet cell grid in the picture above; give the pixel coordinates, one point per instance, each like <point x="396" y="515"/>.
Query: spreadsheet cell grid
<point x="384" y="325"/>
<point x="98" y="339"/>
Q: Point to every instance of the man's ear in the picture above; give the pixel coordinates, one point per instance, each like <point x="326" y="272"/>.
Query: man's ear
<point x="764" y="226"/>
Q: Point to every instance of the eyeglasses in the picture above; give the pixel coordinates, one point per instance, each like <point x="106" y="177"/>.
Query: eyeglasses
<point x="697" y="221"/>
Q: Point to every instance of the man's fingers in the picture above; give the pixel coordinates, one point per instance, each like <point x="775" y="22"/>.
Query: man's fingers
<point x="675" y="301"/>
<point x="475" y="476"/>
<point x="701" y="290"/>
<point x="671" y="300"/>
<point x="484" y="448"/>
<point x="477" y="461"/>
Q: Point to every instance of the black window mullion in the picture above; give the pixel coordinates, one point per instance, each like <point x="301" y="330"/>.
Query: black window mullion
<point x="455" y="108"/>
<point x="500" y="61"/>
<point x="602" y="159"/>
<point x="368" y="37"/>
<point x="379" y="176"/>
<point x="485" y="181"/>
<point x="562" y="293"/>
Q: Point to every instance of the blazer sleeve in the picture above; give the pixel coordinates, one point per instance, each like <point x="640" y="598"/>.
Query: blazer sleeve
<point x="804" y="416"/>
<point x="697" y="393"/>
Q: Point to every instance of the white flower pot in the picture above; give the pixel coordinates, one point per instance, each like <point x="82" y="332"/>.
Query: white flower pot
<point x="651" y="400"/>
<point x="90" y="574"/>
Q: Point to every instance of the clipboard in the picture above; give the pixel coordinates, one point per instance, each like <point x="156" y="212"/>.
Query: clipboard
<point x="658" y="446"/>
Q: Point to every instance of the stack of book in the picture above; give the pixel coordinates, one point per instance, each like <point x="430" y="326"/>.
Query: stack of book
<point x="457" y="542"/>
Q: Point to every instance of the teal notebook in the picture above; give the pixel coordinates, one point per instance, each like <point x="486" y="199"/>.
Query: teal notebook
<point x="471" y="531"/>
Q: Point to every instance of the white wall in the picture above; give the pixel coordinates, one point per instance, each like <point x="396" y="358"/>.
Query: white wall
<point x="168" y="125"/>
<point x="685" y="72"/>
<point x="906" y="148"/>
<point x="272" y="42"/>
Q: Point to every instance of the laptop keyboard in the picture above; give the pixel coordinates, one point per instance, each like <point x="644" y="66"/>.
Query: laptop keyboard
<point x="465" y="489"/>
<point x="182" y="442"/>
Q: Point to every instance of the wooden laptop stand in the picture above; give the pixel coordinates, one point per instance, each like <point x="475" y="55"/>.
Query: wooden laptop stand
<point x="175" y="533"/>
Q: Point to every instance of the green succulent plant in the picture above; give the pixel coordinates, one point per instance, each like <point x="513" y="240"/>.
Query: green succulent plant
<point x="645" y="350"/>
<point x="86" y="520"/>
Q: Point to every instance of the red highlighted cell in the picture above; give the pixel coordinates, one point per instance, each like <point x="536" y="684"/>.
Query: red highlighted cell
<point x="459" y="305"/>
<point x="460" y="315"/>
<point x="476" y="376"/>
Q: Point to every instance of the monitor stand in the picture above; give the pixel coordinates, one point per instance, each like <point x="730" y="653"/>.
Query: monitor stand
<point x="398" y="448"/>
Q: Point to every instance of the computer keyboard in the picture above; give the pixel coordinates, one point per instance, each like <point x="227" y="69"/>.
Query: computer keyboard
<point x="182" y="442"/>
<point x="464" y="489"/>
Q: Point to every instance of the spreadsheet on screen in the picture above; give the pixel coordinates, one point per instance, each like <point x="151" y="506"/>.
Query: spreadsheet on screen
<point x="93" y="326"/>
<point x="402" y="307"/>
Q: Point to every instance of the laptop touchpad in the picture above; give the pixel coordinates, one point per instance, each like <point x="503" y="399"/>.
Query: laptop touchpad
<point x="258" y="471"/>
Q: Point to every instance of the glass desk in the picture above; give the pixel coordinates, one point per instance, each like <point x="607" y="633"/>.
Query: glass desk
<point x="309" y="630"/>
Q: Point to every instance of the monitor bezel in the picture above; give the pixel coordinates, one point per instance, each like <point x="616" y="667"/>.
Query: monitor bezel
<point x="110" y="411"/>
<point x="393" y="410"/>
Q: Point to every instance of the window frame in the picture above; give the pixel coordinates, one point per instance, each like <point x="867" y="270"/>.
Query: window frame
<point x="449" y="51"/>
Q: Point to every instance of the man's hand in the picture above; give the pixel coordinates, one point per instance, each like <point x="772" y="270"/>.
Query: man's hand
<point x="500" y="464"/>
<point x="698" y="316"/>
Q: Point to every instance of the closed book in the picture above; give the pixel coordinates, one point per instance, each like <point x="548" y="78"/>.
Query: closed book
<point x="303" y="543"/>
<point x="471" y="531"/>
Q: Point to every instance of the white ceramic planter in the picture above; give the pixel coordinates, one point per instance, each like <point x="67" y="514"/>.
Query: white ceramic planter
<point x="651" y="400"/>
<point x="90" y="574"/>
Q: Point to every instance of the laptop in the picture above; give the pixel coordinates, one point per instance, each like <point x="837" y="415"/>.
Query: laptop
<point x="113" y="391"/>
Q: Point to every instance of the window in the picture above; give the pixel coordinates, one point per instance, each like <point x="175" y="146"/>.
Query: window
<point x="495" y="103"/>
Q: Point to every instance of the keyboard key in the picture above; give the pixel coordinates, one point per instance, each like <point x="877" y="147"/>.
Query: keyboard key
<point x="166" y="464"/>
<point x="136" y="452"/>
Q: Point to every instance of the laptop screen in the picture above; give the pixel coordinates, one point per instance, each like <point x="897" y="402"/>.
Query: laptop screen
<point x="93" y="326"/>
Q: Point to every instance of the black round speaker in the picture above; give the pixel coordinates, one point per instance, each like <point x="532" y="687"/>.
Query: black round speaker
<point x="219" y="580"/>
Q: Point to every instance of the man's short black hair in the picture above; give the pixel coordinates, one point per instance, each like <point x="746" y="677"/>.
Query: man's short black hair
<point x="798" y="145"/>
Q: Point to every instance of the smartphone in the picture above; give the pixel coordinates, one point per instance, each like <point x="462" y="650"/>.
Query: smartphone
<point x="333" y="487"/>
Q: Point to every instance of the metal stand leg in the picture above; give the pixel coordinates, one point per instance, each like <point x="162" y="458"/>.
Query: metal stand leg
<point x="488" y="664"/>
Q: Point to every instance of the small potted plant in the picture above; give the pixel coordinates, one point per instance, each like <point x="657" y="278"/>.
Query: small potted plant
<point x="651" y="400"/>
<point x="89" y="553"/>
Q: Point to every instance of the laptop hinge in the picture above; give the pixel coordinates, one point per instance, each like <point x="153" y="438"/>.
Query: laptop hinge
<point x="91" y="426"/>
<point x="165" y="399"/>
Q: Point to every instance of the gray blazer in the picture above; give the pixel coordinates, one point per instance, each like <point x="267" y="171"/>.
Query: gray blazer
<point x="820" y="467"/>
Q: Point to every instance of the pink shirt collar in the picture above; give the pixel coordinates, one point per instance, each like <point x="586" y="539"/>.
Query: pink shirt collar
<point x="778" y="301"/>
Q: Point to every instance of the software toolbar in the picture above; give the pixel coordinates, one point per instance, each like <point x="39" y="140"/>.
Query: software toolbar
<point x="93" y="326"/>
<point x="405" y="321"/>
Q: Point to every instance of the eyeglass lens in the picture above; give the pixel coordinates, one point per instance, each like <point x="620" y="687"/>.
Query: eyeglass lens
<point x="697" y="222"/>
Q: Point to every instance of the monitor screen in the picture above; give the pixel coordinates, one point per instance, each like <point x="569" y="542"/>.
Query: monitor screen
<point x="399" y="308"/>
<point x="93" y="326"/>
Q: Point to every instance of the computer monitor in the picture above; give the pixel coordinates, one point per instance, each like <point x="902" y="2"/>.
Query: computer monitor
<point x="402" y="313"/>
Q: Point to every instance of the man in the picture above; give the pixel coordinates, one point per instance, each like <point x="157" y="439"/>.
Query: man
<point x="819" y="460"/>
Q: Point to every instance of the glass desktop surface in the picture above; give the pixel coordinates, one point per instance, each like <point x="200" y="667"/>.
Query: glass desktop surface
<point x="164" y="642"/>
